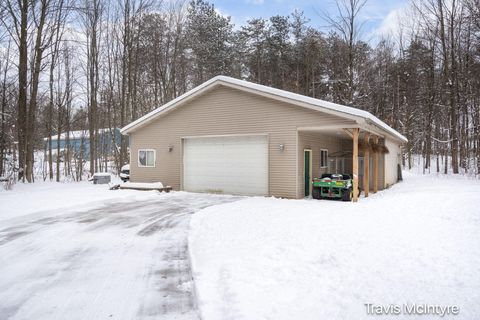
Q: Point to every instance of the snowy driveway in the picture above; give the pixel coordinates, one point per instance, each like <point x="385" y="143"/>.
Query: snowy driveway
<point x="117" y="261"/>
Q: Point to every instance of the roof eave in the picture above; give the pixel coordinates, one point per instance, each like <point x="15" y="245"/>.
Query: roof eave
<point x="278" y="94"/>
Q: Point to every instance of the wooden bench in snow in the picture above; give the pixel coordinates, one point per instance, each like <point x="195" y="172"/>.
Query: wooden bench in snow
<point x="145" y="186"/>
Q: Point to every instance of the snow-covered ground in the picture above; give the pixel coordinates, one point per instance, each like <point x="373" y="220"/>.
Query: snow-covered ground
<point x="81" y="251"/>
<point x="266" y="258"/>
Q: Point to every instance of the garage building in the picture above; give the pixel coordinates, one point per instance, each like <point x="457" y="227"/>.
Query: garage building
<point x="236" y="137"/>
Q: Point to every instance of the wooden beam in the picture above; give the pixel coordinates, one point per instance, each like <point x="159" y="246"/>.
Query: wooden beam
<point x="375" y="167"/>
<point x="355" y="133"/>
<point x="350" y="134"/>
<point x="366" y="165"/>
<point x="325" y="127"/>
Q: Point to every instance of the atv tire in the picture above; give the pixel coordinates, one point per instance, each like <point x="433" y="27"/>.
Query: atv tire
<point x="316" y="193"/>
<point x="347" y="195"/>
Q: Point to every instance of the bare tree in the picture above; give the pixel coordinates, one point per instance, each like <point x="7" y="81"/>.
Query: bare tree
<point x="348" y="27"/>
<point x="54" y="52"/>
<point x="38" y="19"/>
<point x="92" y="13"/>
<point x="16" y="22"/>
<point x="4" y="69"/>
<point x="131" y="11"/>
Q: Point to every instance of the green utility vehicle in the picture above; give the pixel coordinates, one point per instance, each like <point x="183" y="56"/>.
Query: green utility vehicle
<point x="333" y="186"/>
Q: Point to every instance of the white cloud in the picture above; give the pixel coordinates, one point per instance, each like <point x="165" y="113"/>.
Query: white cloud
<point x="390" y="25"/>
<point x="255" y="2"/>
<point x="222" y="12"/>
<point x="394" y="24"/>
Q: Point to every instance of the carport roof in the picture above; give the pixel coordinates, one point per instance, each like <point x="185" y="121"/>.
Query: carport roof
<point x="294" y="98"/>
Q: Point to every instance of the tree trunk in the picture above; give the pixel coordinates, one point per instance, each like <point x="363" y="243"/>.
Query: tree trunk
<point x="50" y="120"/>
<point x="30" y="136"/>
<point x="22" y="88"/>
<point x="92" y="105"/>
<point x="59" y="131"/>
<point x="4" y="105"/>
<point x="92" y="21"/>
<point x="431" y="103"/>
<point x="453" y="86"/>
<point x="476" y="135"/>
<point x="448" y="78"/>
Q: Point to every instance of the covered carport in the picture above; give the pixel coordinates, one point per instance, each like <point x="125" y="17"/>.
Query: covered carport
<point x="335" y="149"/>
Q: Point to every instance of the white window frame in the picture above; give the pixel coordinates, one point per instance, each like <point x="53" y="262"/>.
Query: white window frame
<point x="146" y="158"/>
<point x="325" y="165"/>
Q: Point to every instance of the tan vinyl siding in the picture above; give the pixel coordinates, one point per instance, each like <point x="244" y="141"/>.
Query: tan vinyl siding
<point x="227" y="111"/>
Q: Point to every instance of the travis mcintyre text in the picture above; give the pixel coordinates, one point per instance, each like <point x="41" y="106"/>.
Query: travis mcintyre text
<point x="411" y="309"/>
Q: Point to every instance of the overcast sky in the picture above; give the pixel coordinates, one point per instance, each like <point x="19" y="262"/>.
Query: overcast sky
<point x="380" y="16"/>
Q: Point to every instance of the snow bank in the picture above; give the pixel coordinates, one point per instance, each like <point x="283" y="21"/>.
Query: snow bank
<point x="102" y="174"/>
<point x="266" y="258"/>
<point x="141" y="185"/>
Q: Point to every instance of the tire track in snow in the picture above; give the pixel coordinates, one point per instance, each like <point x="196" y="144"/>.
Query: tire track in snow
<point x="119" y="260"/>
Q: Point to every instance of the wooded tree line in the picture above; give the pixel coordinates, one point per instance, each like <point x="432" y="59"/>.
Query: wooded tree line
<point x="90" y="64"/>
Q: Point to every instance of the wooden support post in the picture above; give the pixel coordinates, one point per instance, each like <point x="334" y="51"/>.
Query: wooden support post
<point x="355" y="164"/>
<point x="375" y="167"/>
<point x="366" y="165"/>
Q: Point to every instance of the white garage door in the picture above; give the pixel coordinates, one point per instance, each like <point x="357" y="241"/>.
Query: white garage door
<point x="231" y="165"/>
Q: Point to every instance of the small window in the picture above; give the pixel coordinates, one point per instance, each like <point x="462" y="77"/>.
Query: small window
<point x="146" y="158"/>
<point x="323" y="158"/>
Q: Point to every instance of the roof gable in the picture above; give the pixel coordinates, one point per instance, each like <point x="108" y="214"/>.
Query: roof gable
<point x="293" y="98"/>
